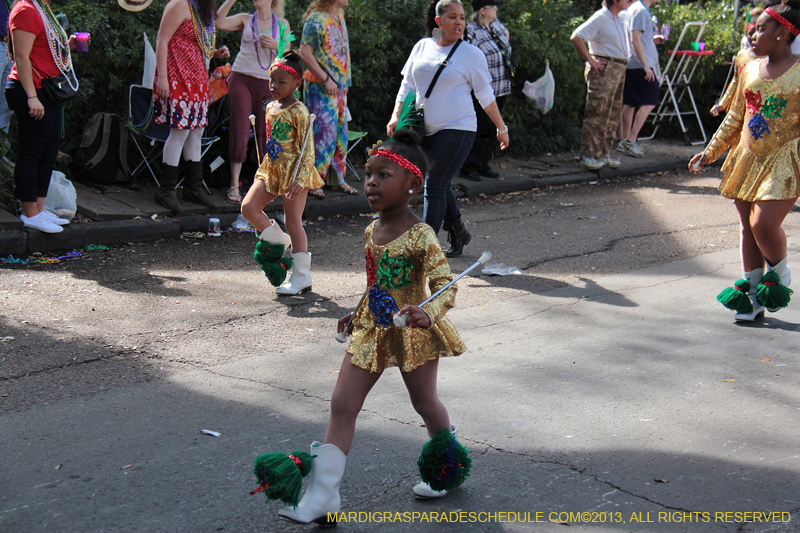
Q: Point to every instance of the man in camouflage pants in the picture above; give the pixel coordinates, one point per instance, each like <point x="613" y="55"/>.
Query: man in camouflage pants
<point x="609" y="47"/>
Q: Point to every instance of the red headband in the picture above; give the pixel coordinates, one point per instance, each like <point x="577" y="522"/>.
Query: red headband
<point x="782" y="21"/>
<point x="287" y="68"/>
<point x="400" y="160"/>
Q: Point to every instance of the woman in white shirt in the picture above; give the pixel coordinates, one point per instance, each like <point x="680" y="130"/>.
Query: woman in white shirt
<point x="450" y="121"/>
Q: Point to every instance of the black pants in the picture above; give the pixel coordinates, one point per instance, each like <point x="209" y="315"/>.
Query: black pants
<point x="481" y="153"/>
<point x="39" y="141"/>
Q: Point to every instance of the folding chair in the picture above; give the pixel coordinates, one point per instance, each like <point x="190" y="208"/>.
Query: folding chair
<point x="140" y="123"/>
<point x="353" y="138"/>
<point x="677" y="78"/>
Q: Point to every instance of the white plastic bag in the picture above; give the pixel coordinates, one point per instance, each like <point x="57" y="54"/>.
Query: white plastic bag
<point x="149" y="71"/>
<point x="61" y="200"/>
<point x="542" y="91"/>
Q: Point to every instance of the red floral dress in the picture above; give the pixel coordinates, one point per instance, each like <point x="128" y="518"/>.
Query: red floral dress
<point x="188" y="83"/>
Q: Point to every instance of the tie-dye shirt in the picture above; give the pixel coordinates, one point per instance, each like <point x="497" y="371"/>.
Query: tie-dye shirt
<point x="327" y="36"/>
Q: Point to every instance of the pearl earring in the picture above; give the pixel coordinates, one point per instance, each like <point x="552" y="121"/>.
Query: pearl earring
<point x="778" y="38"/>
<point x="410" y="191"/>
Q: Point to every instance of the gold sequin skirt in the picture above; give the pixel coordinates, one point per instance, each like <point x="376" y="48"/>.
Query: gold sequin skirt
<point x="755" y="177"/>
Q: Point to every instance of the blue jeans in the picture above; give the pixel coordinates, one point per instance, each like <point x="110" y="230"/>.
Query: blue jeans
<point x="446" y="150"/>
<point x="5" y="70"/>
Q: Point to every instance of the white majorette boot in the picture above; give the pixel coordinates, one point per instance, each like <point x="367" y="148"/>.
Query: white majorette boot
<point x="299" y="280"/>
<point x="781" y="268"/>
<point x="754" y="278"/>
<point x="422" y="490"/>
<point x="274" y="235"/>
<point x="321" y="501"/>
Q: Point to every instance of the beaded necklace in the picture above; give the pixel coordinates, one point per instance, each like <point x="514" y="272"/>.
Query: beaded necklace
<point x="339" y="25"/>
<point x="9" y="5"/>
<point x="254" y="30"/>
<point x="204" y="33"/>
<point x="58" y="42"/>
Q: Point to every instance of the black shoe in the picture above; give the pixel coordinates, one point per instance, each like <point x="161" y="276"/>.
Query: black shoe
<point x="488" y="173"/>
<point x="458" y="237"/>
<point x="470" y="175"/>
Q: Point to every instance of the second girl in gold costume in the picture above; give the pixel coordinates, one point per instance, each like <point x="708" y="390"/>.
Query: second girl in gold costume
<point x="761" y="171"/>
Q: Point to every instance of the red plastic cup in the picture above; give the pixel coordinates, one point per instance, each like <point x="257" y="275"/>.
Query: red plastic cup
<point x="82" y="42"/>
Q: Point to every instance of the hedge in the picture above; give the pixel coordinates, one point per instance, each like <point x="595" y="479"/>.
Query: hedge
<point x="381" y="37"/>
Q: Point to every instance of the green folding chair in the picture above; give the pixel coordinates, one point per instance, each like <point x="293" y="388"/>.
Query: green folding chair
<point x="353" y="138"/>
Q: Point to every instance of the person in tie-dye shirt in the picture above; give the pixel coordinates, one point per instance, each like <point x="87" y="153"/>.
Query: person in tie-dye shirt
<point x="325" y="50"/>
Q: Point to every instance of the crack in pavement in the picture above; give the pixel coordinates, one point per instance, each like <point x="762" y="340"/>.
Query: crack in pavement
<point x="609" y="246"/>
<point x="577" y="470"/>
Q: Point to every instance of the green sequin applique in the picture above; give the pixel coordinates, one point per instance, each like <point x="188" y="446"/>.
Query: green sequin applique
<point x="281" y="131"/>
<point x="773" y="106"/>
<point x="393" y="272"/>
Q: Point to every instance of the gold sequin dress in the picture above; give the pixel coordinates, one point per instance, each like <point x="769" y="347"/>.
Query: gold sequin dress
<point x="286" y="131"/>
<point x="765" y="120"/>
<point x="396" y="274"/>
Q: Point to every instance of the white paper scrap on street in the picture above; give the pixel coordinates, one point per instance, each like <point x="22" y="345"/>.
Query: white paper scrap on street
<point x="501" y="269"/>
<point x="209" y="432"/>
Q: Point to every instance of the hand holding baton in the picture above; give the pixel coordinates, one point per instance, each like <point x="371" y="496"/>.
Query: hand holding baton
<point x="342" y="335"/>
<point x="400" y="320"/>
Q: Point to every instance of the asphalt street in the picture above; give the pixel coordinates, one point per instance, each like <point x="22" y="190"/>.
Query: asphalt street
<point x="605" y="381"/>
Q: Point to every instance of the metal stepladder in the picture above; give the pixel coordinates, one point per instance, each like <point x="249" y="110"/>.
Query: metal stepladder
<point x="677" y="78"/>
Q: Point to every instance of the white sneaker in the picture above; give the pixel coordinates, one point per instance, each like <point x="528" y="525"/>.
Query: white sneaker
<point x="590" y="163"/>
<point x="52" y="217"/>
<point x="41" y="223"/>
<point x="611" y="162"/>
<point x="631" y="148"/>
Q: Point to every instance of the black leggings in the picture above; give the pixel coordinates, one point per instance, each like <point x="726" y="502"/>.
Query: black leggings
<point x="39" y="141"/>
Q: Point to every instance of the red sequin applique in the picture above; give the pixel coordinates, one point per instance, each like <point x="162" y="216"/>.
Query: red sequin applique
<point x="753" y="101"/>
<point x="372" y="276"/>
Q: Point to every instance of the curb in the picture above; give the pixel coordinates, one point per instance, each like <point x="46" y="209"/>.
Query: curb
<point x="22" y="242"/>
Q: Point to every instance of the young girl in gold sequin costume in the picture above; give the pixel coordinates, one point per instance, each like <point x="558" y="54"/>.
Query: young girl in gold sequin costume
<point x="287" y="124"/>
<point x="761" y="171"/>
<point x="402" y="253"/>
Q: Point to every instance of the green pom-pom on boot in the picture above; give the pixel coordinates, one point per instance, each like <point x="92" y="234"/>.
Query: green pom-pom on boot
<point x="771" y="293"/>
<point x="280" y="476"/>
<point x="444" y="463"/>
<point x="270" y="258"/>
<point x="735" y="298"/>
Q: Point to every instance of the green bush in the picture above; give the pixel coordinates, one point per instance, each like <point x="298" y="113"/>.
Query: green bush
<point x="381" y="36"/>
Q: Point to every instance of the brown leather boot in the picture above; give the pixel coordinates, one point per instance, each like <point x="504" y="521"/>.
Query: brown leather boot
<point x="193" y="184"/>
<point x="165" y="195"/>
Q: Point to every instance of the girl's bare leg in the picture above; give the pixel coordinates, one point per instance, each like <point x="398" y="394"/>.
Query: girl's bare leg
<point x="293" y="209"/>
<point x="765" y="222"/>
<point x="752" y="257"/>
<point x="348" y="397"/>
<point x="253" y="206"/>
<point x="421" y="386"/>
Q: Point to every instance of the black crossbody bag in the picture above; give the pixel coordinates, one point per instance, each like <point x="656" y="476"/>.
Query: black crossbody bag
<point x="417" y="117"/>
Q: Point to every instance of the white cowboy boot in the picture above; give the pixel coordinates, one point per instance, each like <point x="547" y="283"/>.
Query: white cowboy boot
<point x="754" y="278"/>
<point x="274" y="235"/>
<point x="321" y="501"/>
<point x="422" y="490"/>
<point x="781" y="268"/>
<point x="299" y="280"/>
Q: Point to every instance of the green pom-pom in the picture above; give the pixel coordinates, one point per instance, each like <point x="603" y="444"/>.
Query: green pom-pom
<point x="771" y="294"/>
<point x="273" y="263"/>
<point x="280" y="476"/>
<point x="276" y="272"/>
<point x="268" y="253"/>
<point x="444" y="464"/>
<point x="736" y="299"/>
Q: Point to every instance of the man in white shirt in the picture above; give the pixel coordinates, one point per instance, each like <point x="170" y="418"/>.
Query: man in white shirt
<point x="609" y="46"/>
<point x="642" y="77"/>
